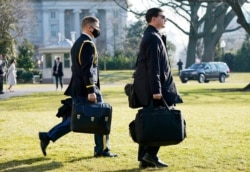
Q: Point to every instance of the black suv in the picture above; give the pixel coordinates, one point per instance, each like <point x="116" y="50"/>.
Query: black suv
<point x="205" y="71"/>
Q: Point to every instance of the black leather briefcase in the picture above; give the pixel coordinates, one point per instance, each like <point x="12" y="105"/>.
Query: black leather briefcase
<point x="158" y="126"/>
<point x="91" y="118"/>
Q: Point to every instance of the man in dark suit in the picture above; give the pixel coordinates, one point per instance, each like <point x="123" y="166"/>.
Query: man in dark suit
<point x="179" y="64"/>
<point x="153" y="79"/>
<point x="58" y="72"/>
<point x="3" y="66"/>
<point x="84" y="85"/>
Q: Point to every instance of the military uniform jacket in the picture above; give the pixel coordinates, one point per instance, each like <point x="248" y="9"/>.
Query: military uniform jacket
<point x="85" y="75"/>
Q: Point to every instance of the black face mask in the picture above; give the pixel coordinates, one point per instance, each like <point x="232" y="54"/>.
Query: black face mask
<point x="96" y="33"/>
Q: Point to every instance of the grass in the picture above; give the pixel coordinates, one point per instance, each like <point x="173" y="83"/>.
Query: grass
<point x="218" y="130"/>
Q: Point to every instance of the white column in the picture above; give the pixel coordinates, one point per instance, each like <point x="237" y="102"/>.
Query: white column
<point x="61" y="23"/>
<point x="59" y="37"/>
<point x="73" y="36"/>
<point x="77" y="22"/>
<point x="93" y="12"/>
<point x="109" y="32"/>
<point x="122" y="26"/>
<point x="46" y="27"/>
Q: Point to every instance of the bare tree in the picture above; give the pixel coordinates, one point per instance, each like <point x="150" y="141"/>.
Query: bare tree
<point x="209" y="27"/>
<point x="211" y="39"/>
<point x="14" y="15"/>
<point x="236" y="6"/>
<point x="222" y="16"/>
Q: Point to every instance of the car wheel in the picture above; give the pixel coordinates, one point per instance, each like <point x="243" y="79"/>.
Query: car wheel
<point x="222" y="78"/>
<point x="184" y="80"/>
<point x="201" y="78"/>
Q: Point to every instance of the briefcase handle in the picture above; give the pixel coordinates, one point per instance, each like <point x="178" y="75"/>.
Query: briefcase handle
<point x="159" y="103"/>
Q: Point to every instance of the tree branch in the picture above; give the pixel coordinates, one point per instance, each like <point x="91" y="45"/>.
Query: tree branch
<point x="236" y="6"/>
<point x="138" y="14"/>
<point x="234" y="29"/>
<point x="176" y="25"/>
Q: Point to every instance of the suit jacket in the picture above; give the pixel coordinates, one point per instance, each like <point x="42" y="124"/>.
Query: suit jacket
<point x="59" y="71"/>
<point x="85" y="75"/>
<point x="153" y="73"/>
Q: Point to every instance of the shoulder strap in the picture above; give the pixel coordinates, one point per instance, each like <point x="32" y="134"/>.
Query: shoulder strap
<point x="95" y="52"/>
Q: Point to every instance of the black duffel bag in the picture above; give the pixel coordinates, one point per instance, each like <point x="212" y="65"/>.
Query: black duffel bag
<point x="91" y="118"/>
<point x="158" y="126"/>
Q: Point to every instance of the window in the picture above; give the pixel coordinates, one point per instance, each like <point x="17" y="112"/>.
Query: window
<point x="48" y="59"/>
<point x="115" y="13"/>
<point x="69" y="23"/>
<point x="53" y="15"/>
<point x="213" y="67"/>
<point x="53" y="30"/>
<point x="66" y="60"/>
<point x="116" y="29"/>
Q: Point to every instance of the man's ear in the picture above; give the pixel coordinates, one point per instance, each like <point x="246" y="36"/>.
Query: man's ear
<point x="90" y="29"/>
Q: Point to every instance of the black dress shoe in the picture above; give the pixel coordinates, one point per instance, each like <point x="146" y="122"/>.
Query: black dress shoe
<point x="144" y="164"/>
<point x="44" y="142"/>
<point x="154" y="160"/>
<point x="105" y="154"/>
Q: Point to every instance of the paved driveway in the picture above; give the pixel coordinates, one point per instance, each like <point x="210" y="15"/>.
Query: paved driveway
<point x="28" y="89"/>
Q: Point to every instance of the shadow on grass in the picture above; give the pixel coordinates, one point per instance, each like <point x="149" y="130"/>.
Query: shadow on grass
<point x="28" y="165"/>
<point x="230" y="89"/>
<point x="123" y="170"/>
<point x="216" y="90"/>
<point x="138" y="169"/>
<point x="79" y="159"/>
<point x="128" y="170"/>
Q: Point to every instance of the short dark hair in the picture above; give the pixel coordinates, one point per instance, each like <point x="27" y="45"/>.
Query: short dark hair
<point x="152" y="12"/>
<point x="89" y="20"/>
<point x="12" y="60"/>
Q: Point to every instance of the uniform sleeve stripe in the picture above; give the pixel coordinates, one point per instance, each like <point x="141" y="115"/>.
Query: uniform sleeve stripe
<point x="88" y="86"/>
<point x="95" y="52"/>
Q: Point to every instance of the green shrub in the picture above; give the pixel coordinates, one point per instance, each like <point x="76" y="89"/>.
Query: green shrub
<point x="19" y="73"/>
<point x="36" y="72"/>
<point x="26" y="77"/>
<point x="117" y="63"/>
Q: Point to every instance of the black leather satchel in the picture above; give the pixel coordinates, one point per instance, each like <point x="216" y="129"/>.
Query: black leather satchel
<point x="132" y="98"/>
<point x="91" y="118"/>
<point x="158" y="126"/>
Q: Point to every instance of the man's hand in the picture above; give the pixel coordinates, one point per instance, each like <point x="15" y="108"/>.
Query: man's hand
<point x="157" y="96"/>
<point x="92" y="97"/>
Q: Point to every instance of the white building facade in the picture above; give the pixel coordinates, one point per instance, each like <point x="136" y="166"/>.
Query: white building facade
<point x="60" y="20"/>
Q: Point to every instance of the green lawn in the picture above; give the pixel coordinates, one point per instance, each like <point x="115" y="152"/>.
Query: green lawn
<point x="218" y="130"/>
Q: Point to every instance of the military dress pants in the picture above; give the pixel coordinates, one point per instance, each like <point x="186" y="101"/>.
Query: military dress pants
<point x="101" y="141"/>
<point x="60" y="129"/>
